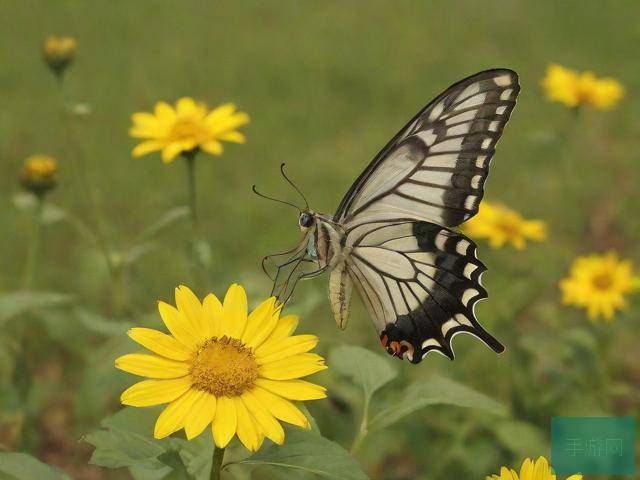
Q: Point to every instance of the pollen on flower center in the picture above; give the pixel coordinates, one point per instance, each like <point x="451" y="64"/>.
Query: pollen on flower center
<point x="223" y="366"/>
<point x="602" y="281"/>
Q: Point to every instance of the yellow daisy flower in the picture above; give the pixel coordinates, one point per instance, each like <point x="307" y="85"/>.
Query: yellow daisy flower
<point x="187" y="127"/>
<point x="598" y="284"/>
<point x="574" y="89"/>
<point x="501" y="225"/>
<point x="538" y="470"/>
<point x="224" y="367"/>
<point x="38" y="174"/>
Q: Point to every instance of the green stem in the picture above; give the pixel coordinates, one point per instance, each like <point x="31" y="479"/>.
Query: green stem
<point x="190" y="158"/>
<point x="364" y="428"/>
<point x="216" y="463"/>
<point x="34" y="244"/>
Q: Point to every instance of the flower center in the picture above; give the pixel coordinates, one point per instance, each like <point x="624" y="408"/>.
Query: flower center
<point x="602" y="281"/>
<point x="186" y="128"/>
<point x="223" y="367"/>
<point x="511" y="229"/>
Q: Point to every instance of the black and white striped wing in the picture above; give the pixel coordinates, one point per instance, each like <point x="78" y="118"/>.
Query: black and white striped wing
<point x="420" y="283"/>
<point x="434" y="169"/>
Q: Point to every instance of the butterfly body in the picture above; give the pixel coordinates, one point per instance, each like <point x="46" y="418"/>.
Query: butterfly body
<point x="393" y="235"/>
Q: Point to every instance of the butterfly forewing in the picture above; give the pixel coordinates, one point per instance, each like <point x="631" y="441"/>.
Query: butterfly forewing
<point x="419" y="279"/>
<point x="434" y="169"/>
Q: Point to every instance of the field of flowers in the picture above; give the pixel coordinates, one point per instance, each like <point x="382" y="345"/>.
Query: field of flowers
<point x="138" y="339"/>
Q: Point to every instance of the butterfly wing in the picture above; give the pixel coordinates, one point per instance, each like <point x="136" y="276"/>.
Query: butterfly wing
<point x="420" y="283"/>
<point x="434" y="169"/>
<point x="420" y="280"/>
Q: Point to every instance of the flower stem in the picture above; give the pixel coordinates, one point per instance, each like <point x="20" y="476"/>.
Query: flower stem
<point x="34" y="244"/>
<point x="364" y="428"/>
<point x="216" y="463"/>
<point x="190" y="158"/>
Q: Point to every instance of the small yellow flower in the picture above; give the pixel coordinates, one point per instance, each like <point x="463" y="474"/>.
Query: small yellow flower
<point x="186" y="128"/>
<point x="500" y="225"/>
<point x="39" y="174"/>
<point x="529" y="470"/>
<point x="222" y="367"/>
<point x="574" y="89"/>
<point x="58" y="52"/>
<point x="598" y="284"/>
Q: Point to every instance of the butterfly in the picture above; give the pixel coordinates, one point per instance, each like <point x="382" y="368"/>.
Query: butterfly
<point x="393" y="235"/>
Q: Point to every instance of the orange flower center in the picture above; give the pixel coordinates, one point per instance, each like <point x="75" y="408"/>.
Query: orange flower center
<point x="223" y="366"/>
<point x="602" y="281"/>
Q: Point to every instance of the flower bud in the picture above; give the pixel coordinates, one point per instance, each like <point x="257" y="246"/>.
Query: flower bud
<point x="39" y="174"/>
<point x="58" y="52"/>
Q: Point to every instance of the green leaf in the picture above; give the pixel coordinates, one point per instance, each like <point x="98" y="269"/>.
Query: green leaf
<point x="20" y="466"/>
<point x="521" y="438"/>
<point x="20" y="302"/>
<point x="166" y="220"/>
<point x="369" y="370"/>
<point x="437" y="390"/>
<point x="117" y="448"/>
<point x="307" y="451"/>
<point x="138" y="252"/>
<point x="101" y="325"/>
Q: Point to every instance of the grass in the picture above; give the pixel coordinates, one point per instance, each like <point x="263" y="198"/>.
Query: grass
<point x="327" y="84"/>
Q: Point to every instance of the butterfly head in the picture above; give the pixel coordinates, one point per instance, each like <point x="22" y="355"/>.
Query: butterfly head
<point x="306" y="220"/>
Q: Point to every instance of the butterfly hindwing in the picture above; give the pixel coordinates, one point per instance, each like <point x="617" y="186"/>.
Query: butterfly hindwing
<point x="434" y="169"/>
<point x="420" y="283"/>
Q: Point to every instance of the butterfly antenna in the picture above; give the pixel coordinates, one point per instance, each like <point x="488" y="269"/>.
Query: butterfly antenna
<point x="255" y="190"/>
<point x="306" y="204"/>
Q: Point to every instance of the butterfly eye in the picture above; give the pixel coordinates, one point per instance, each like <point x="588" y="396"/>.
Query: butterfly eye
<point x="306" y="220"/>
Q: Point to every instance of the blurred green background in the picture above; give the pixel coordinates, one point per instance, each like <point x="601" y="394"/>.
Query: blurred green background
<point x="326" y="85"/>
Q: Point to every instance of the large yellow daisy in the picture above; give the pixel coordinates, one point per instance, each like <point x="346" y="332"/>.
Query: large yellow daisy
<point x="581" y="88"/>
<point x="187" y="127"/>
<point x="501" y="225"/>
<point x="222" y="367"/>
<point x="538" y="470"/>
<point x="598" y="284"/>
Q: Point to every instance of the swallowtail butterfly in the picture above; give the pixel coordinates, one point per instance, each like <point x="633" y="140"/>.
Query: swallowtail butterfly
<point x="393" y="235"/>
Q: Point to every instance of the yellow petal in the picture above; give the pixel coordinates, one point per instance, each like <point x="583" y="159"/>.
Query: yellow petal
<point x="233" y="136"/>
<point x="286" y="326"/>
<point x="235" y="311"/>
<point x="260" y="323"/>
<point x="213" y="147"/>
<point x="248" y="430"/>
<point x="146" y="147"/>
<point x="151" y="366"/>
<point x="286" y="348"/>
<point x="213" y="314"/>
<point x="155" y="392"/>
<point x="185" y="106"/>
<point x="173" y="416"/>
<point x="293" y="389"/>
<point x="178" y="325"/>
<point x="290" y="368"/>
<point x="220" y="112"/>
<point x="171" y="151"/>
<point x="201" y="415"/>
<point x="160" y="343"/>
<point x="280" y="408"/>
<point x="164" y="112"/>
<point x="224" y="422"/>
<point x="268" y="424"/>
<point x="144" y="118"/>
<point x="191" y="308"/>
